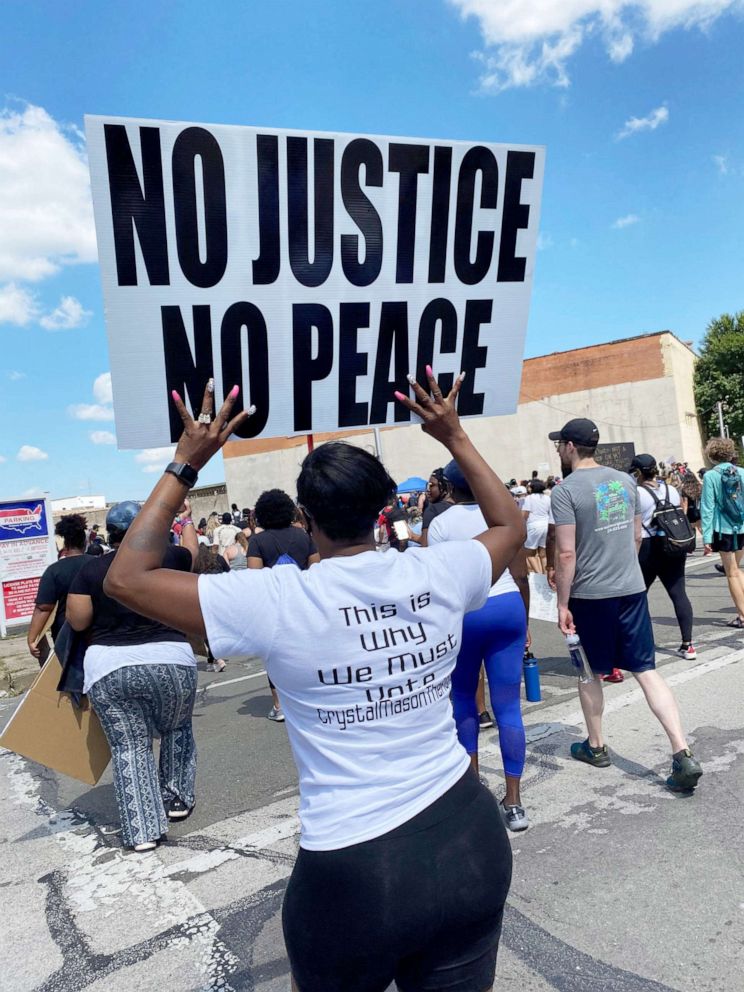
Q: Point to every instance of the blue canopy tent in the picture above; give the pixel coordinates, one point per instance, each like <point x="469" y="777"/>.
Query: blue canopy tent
<point x="413" y="485"/>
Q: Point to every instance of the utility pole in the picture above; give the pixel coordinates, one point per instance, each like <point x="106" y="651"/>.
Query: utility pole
<point x="378" y="442"/>
<point x="721" y="425"/>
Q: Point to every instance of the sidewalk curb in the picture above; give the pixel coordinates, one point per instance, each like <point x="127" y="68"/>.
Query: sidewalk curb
<point x="12" y="685"/>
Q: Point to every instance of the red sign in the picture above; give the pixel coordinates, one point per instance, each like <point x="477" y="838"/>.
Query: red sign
<point x="19" y="597"/>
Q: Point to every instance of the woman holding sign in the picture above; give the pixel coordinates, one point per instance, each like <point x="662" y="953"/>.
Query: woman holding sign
<point x="404" y="864"/>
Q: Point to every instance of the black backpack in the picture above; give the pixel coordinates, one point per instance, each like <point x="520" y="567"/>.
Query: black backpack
<point x="677" y="533"/>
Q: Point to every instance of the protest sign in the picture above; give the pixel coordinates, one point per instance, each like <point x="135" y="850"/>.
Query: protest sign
<point x="315" y="270"/>
<point x="26" y="548"/>
<point x="618" y="455"/>
<point x="543" y="599"/>
<point x="49" y="728"/>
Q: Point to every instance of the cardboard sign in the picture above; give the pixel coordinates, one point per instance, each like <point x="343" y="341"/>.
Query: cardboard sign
<point x="26" y="548"/>
<point x="314" y="270"/>
<point x="47" y="727"/>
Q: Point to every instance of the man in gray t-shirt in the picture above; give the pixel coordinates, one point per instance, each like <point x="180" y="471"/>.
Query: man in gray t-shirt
<point x="602" y="595"/>
<point x="604" y="507"/>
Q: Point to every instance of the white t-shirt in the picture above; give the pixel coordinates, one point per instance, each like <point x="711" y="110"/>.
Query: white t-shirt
<point x="538" y="506"/>
<point x="648" y="505"/>
<point x="361" y="650"/>
<point x="462" y="522"/>
<point x="224" y="536"/>
<point x="102" y="659"/>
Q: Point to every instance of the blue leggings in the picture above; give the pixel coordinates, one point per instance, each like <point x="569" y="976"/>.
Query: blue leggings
<point x="496" y="635"/>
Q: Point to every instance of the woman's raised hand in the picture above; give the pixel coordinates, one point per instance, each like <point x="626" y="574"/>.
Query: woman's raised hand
<point x="438" y="413"/>
<point x="204" y="436"/>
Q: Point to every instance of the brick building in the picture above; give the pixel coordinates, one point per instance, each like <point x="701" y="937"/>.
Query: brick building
<point x="637" y="390"/>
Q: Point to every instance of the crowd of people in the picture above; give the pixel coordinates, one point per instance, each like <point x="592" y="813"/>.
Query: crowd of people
<point x="412" y="599"/>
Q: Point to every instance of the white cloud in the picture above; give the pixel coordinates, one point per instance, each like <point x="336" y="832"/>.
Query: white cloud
<point x="627" y="221"/>
<point x="2" y="459"/>
<point x="154" y="459"/>
<point x="101" y="409"/>
<point x="102" y="437"/>
<point x="32" y="493"/>
<point x="46" y="213"/>
<point x="16" y="376"/>
<point x="722" y="164"/>
<point x="528" y="42"/>
<point x="28" y="453"/>
<point x="102" y="392"/>
<point x="649" y="123"/>
<point x="544" y="241"/>
<point x="68" y="314"/>
<point x="90" y="411"/>
<point x="17" y="305"/>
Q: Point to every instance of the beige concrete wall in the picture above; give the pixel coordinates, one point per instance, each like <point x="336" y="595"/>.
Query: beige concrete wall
<point x="679" y="363"/>
<point x="646" y="413"/>
<point x="651" y="405"/>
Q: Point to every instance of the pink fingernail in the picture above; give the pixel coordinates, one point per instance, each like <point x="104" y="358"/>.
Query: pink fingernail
<point x="235" y="390"/>
<point x="175" y="395"/>
<point x="398" y="396"/>
<point x="430" y="371"/>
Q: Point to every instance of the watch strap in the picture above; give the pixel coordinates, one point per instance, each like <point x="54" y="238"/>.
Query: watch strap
<point x="184" y="472"/>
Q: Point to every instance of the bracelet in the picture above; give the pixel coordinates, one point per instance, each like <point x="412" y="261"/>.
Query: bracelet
<point x="186" y="521"/>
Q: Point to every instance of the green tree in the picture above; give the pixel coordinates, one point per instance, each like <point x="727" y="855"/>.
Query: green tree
<point x="719" y="375"/>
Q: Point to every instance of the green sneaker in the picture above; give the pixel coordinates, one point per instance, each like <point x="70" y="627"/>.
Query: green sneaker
<point x="597" y="756"/>
<point x="685" y="772"/>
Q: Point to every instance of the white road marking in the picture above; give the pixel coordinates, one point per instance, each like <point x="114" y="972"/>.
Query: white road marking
<point x="218" y="683"/>
<point x="628" y="696"/>
<point x="635" y="695"/>
<point x="96" y="886"/>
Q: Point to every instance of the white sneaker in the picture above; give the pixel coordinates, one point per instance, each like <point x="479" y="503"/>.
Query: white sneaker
<point x="276" y="715"/>
<point x="515" y="817"/>
<point x="687" y="651"/>
<point x="148" y="845"/>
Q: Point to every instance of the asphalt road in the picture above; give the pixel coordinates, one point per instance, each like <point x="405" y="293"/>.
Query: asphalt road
<point x="618" y="885"/>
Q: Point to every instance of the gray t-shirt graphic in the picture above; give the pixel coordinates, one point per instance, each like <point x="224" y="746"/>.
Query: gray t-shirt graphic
<point x="602" y="503"/>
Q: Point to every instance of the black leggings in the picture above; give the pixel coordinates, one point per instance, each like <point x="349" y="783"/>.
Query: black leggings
<point x="421" y="905"/>
<point x="670" y="570"/>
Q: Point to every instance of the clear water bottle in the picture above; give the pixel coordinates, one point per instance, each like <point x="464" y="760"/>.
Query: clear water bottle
<point x="578" y="658"/>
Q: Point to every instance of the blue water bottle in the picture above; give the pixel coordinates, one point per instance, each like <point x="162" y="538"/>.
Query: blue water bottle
<point x="531" y="678"/>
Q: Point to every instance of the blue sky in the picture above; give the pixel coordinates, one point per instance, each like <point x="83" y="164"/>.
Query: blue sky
<point x="639" y="105"/>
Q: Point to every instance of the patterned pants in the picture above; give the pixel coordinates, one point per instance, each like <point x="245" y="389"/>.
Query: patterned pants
<point x="133" y="703"/>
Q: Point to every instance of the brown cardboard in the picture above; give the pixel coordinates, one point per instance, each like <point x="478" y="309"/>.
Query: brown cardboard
<point x="47" y="727"/>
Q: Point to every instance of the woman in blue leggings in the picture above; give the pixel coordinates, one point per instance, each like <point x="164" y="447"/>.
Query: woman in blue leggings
<point x="494" y="635"/>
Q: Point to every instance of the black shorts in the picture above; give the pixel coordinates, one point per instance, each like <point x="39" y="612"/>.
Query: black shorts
<point x="727" y="542"/>
<point x="615" y="632"/>
<point x="421" y="905"/>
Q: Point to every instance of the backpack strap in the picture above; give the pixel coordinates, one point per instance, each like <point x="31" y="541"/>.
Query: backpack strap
<point x="653" y="494"/>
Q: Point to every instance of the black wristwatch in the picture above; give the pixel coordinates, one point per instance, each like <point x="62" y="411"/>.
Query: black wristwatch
<point x="184" y="472"/>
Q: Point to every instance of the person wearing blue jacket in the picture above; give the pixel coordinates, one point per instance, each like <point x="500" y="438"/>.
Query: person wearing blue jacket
<point x="722" y="512"/>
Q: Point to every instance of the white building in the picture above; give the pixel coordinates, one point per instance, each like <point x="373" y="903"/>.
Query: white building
<point x="78" y="504"/>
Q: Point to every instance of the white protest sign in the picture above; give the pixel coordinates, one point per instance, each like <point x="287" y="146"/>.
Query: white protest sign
<point x="314" y="270"/>
<point x="543" y="599"/>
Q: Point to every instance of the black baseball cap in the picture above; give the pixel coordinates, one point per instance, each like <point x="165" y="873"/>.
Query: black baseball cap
<point x="581" y="431"/>
<point x="643" y="462"/>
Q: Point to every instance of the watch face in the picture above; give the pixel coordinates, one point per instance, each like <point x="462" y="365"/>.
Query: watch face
<point x="183" y="471"/>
